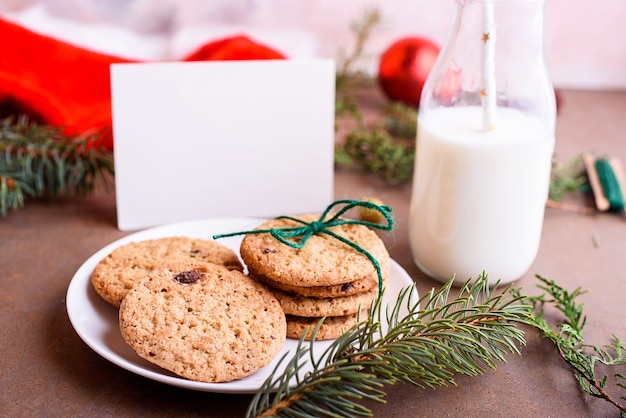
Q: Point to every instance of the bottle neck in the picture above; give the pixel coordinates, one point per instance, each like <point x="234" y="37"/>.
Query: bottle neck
<point x="494" y="57"/>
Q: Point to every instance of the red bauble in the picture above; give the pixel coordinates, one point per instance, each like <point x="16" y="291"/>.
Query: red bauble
<point x="404" y="67"/>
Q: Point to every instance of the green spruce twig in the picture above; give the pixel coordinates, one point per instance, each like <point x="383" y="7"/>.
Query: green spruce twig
<point x="566" y="178"/>
<point x="386" y="150"/>
<point x="567" y="336"/>
<point x="362" y="30"/>
<point x="377" y="152"/>
<point x="347" y="78"/>
<point x="39" y="160"/>
<point x="425" y="343"/>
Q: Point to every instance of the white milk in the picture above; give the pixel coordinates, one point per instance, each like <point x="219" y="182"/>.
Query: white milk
<point x="478" y="197"/>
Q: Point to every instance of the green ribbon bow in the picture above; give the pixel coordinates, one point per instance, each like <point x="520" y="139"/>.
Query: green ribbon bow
<point x="296" y="237"/>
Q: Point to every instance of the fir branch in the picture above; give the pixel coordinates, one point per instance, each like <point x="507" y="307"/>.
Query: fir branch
<point x="386" y="150"/>
<point x="347" y="78"/>
<point x="39" y="160"/>
<point x="400" y="120"/>
<point x="362" y="30"/>
<point x="567" y="336"/>
<point x="424" y="347"/>
<point x="566" y="178"/>
<point x="378" y="152"/>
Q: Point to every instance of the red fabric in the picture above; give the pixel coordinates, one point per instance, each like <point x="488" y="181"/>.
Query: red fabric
<point x="60" y="84"/>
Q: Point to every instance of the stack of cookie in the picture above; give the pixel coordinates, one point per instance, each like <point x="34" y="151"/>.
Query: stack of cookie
<point x="324" y="279"/>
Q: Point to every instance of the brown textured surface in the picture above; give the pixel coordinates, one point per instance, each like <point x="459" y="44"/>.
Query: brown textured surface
<point x="48" y="371"/>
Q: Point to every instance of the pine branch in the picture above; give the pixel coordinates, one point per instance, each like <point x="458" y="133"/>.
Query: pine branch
<point x="424" y="347"/>
<point x="362" y="30"/>
<point x="567" y="336"/>
<point x="347" y="78"/>
<point x="39" y="160"/>
<point x="566" y="178"/>
<point x="386" y="150"/>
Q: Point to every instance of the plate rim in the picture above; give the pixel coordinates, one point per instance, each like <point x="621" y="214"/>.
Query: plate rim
<point x="80" y="283"/>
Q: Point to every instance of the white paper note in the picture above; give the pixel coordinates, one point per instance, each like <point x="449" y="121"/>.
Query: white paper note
<point x="197" y="140"/>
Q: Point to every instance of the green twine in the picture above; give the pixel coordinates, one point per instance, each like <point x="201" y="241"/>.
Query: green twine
<point x="610" y="184"/>
<point x="321" y="226"/>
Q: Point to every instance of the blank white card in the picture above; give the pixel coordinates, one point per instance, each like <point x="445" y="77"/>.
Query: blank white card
<point x="198" y="140"/>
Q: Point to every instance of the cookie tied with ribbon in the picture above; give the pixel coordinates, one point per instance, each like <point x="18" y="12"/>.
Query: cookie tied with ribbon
<point x="297" y="233"/>
<point x="320" y="266"/>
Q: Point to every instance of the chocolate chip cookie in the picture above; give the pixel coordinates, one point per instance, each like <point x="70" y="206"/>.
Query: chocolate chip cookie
<point x="203" y="322"/>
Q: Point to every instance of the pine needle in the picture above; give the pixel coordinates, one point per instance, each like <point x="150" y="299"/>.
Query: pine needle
<point x="567" y="336"/>
<point x="566" y="178"/>
<point x="423" y="347"/>
<point x="386" y="150"/>
<point x="39" y="160"/>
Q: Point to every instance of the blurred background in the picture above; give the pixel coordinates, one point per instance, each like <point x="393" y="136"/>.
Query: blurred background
<point x="585" y="40"/>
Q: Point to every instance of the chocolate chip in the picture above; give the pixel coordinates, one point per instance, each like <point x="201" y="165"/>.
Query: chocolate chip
<point x="187" y="277"/>
<point x="269" y="250"/>
<point x="346" y="286"/>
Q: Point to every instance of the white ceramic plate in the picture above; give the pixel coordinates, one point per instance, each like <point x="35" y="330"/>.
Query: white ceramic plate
<point x="96" y="321"/>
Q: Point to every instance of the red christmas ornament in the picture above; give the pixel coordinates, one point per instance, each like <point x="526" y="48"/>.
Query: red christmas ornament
<point x="404" y="67"/>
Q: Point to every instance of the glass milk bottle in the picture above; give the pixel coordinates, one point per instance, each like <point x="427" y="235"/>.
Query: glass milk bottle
<point x="485" y="140"/>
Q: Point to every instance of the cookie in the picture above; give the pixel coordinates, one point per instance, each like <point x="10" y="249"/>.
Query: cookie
<point x="116" y="273"/>
<point x="332" y="327"/>
<point x="203" y="322"/>
<point x="339" y="290"/>
<point x="323" y="261"/>
<point x="318" y="307"/>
